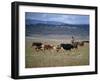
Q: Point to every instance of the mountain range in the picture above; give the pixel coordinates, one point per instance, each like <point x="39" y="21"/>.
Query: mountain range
<point x="34" y="22"/>
<point x="55" y="28"/>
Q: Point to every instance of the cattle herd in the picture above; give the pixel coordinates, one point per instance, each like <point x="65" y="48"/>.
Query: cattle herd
<point x="38" y="46"/>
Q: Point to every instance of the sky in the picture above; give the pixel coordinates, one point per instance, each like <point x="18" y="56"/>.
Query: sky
<point x="64" y="18"/>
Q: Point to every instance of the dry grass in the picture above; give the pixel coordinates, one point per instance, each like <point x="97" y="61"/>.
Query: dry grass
<point x="52" y="58"/>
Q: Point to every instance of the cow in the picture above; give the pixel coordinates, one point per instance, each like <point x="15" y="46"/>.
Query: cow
<point x="67" y="46"/>
<point x="47" y="47"/>
<point x="37" y="45"/>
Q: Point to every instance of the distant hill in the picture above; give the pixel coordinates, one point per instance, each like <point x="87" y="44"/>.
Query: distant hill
<point x="34" y="22"/>
<point x="53" y="27"/>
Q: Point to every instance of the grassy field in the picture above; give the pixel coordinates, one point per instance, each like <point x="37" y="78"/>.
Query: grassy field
<point x="51" y="58"/>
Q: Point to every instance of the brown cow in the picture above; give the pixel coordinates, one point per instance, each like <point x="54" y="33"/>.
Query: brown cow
<point x="47" y="47"/>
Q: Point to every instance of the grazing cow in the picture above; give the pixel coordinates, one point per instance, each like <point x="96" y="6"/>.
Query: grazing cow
<point x="37" y="45"/>
<point x="47" y="47"/>
<point x="67" y="46"/>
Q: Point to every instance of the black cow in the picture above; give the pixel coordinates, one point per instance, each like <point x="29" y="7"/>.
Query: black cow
<point x="37" y="45"/>
<point x="67" y="46"/>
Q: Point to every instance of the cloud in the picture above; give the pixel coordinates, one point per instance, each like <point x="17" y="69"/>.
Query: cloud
<point x="65" y="18"/>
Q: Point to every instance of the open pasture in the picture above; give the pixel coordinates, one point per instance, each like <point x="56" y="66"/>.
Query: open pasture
<point x="52" y="58"/>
